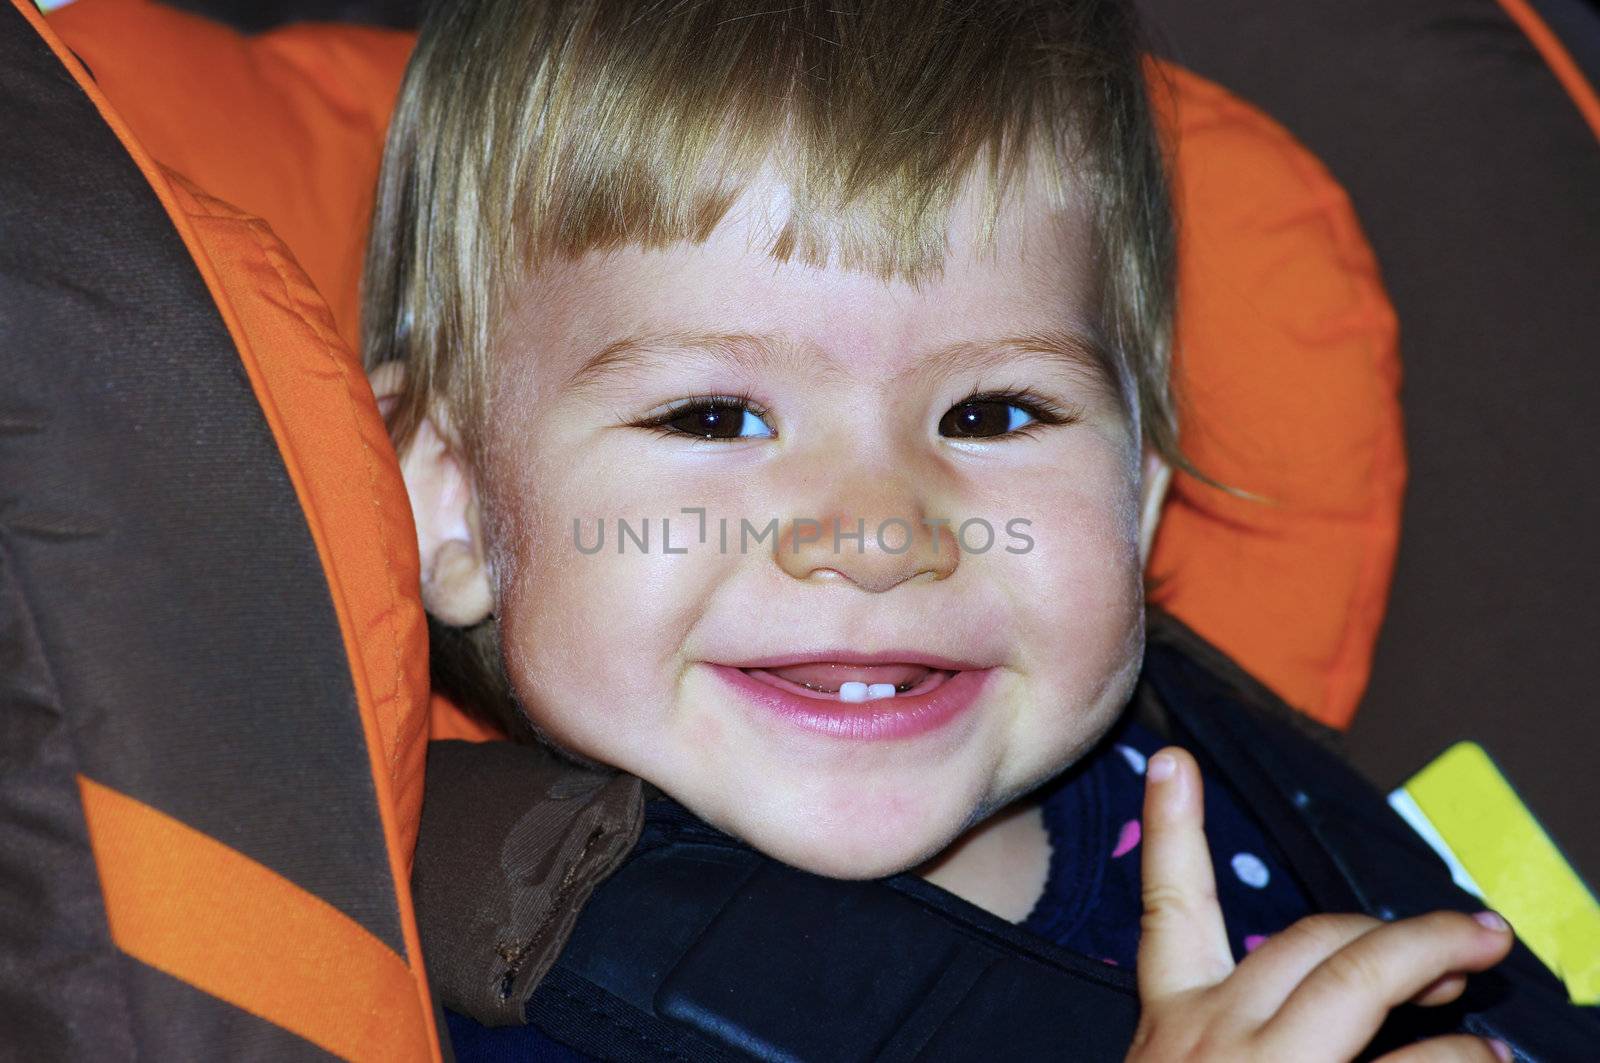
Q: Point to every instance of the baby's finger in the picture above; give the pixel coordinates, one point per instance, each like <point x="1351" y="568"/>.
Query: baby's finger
<point x="1458" y="1048"/>
<point x="1268" y="975"/>
<point x="1442" y="991"/>
<point x="1182" y="944"/>
<point x="1343" y="1001"/>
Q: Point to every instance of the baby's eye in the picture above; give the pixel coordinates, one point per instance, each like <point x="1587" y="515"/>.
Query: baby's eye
<point x="987" y="416"/>
<point x="715" y="417"/>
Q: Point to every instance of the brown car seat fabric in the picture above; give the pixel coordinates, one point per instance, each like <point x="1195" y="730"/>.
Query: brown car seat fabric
<point x="1567" y="35"/>
<point x="1475" y="174"/>
<point x="182" y="794"/>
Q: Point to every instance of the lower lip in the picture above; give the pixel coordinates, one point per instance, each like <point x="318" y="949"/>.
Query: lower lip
<point x="901" y="716"/>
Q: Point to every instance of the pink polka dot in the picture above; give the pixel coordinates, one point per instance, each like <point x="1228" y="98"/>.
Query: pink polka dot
<point x="1108" y="959"/>
<point x="1126" y="839"/>
<point x="1253" y="941"/>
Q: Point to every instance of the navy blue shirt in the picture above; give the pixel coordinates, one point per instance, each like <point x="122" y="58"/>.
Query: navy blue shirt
<point x="1091" y="900"/>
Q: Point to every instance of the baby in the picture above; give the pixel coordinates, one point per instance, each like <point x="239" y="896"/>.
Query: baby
<point x="783" y="393"/>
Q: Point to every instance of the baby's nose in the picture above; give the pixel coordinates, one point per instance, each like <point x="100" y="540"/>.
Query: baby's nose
<point x="874" y="550"/>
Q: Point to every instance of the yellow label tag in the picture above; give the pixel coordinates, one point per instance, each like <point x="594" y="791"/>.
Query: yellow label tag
<point x="1496" y="849"/>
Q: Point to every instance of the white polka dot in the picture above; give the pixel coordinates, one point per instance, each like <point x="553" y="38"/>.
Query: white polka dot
<point x="1134" y="758"/>
<point x="1251" y="871"/>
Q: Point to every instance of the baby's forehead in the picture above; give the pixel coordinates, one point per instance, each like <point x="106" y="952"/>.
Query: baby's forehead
<point x="1031" y="275"/>
<point x="1057" y="353"/>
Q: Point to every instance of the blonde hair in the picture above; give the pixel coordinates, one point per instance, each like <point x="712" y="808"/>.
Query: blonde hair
<point x="529" y="131"/>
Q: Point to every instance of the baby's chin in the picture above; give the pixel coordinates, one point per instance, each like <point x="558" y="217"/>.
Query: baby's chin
<point x="857" y="829"/>
<point x="859" y="837"/>
<point x="845" y="857"/>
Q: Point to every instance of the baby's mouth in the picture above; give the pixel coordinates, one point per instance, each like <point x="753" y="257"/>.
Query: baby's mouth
<point x="832" y="681"/>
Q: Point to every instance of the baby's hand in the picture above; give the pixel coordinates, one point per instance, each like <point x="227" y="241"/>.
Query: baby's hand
<point x="1317" y="991"/>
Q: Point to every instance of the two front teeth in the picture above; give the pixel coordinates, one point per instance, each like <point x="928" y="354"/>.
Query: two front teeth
<point x="857" y="691"/>
<point x="853" y="691"/>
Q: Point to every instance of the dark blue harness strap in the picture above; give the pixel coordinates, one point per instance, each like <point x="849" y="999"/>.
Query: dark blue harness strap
<point x="710" y="944"/>
<point x="581" y="1014"/>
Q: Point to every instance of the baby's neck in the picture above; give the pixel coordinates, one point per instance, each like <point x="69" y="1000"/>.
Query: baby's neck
<point x="999" y="865"/>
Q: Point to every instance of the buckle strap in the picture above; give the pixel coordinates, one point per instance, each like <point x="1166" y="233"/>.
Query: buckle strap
<point x="710" y="941"/>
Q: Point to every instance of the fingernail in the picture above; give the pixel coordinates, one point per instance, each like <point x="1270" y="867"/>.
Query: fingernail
<point x="1492" y="921"/>
<point x="1160" y="768"/>
<point x="1501" y="1050"/>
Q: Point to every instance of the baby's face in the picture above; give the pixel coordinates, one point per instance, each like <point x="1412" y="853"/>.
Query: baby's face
<point x="1011" y="636"/>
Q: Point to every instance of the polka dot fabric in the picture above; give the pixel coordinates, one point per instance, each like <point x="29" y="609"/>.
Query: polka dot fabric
<point x="1091" y="899"/>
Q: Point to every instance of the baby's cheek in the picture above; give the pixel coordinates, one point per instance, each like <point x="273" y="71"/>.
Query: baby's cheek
<point x="1078" y="595"/>
<point x="706" y="733"/>
<point x="1085" y="548"/>
<point x="594" y="635"/>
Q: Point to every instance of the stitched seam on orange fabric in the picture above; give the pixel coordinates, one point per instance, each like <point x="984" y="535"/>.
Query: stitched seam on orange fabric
<point x="266" y="240"/>
<point x="257" y="230"/>
<point x="219" y="210"/>
<point x="199" y="206"/>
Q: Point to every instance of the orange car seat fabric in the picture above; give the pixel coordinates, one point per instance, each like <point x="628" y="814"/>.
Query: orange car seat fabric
<point x="151" y="529"/>
<point x="183" y="903"/>
<point x="1303" y="582"/>
<point x="286" y="125"/>
<point x="1288" y="367"/>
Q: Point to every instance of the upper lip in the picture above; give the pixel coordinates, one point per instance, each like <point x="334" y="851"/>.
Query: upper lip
<point x="930" y="660"/>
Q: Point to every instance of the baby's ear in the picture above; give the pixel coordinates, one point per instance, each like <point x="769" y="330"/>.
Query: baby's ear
<point x="444" y="505"/>
<point x="1152" y="494"/>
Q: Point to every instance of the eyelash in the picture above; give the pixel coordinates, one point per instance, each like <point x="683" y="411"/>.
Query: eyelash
<point x="1046" y="412"/>
<point x="693" y="403"/>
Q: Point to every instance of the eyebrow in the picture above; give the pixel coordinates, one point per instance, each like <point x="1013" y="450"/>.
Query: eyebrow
<point x="1079" y="352"/>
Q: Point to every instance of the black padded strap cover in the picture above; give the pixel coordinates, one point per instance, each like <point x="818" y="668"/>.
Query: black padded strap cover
<point x="748" y="956"/>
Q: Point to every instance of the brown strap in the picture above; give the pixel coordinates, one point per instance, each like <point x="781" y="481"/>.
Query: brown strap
<point x="513" y="841"/>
